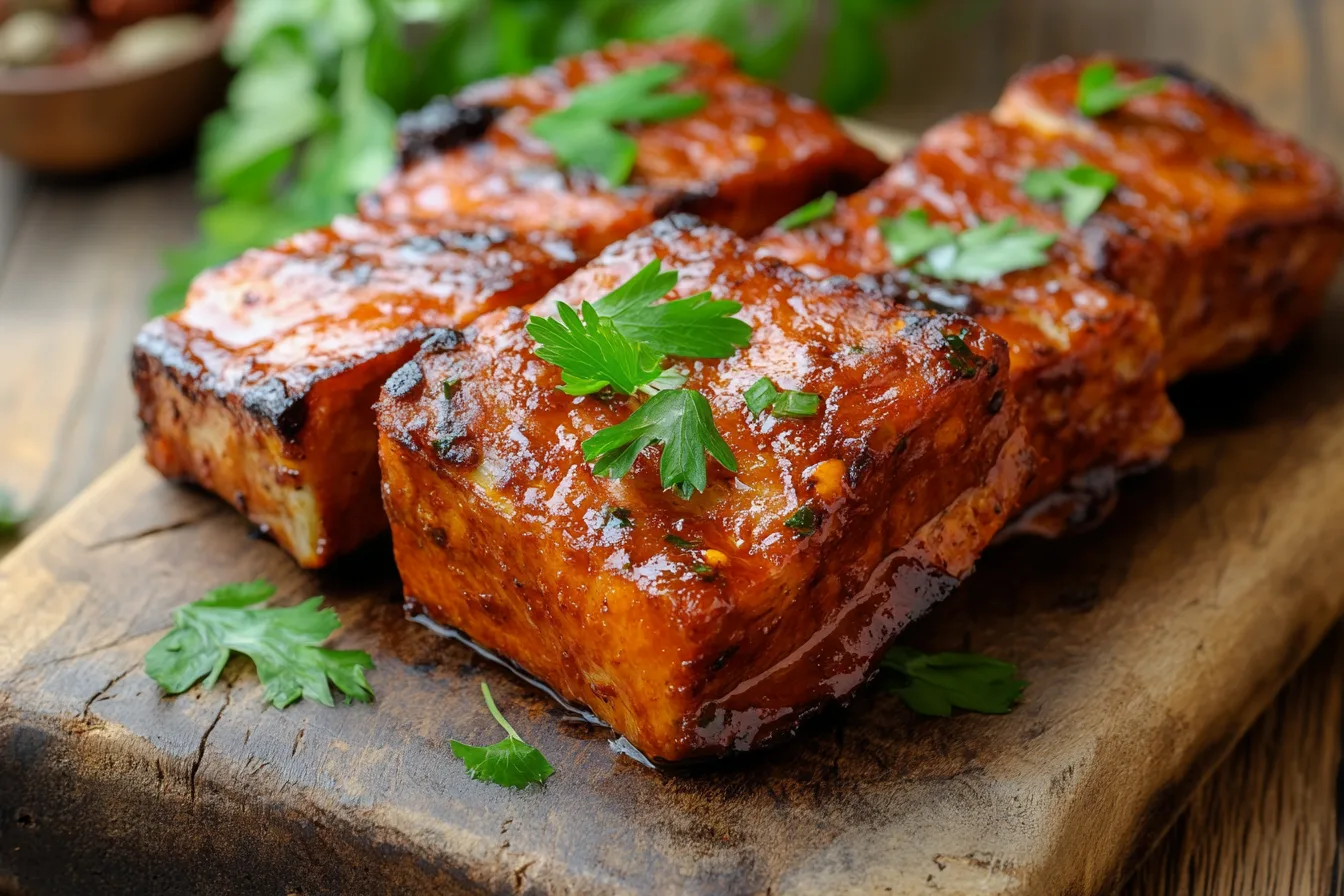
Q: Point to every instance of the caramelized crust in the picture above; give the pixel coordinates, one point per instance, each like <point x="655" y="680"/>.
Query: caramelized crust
<point x="704" y="625"/>
<point x="261" y="388"/>
<point x="750" y="156"/>
<point x="1231" y="230"/>
<point x="1085" y="358"/>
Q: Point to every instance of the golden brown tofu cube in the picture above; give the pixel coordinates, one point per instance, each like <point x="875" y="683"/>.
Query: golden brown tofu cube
<point x="697" y="627"/>
<point x="1231" y="230"/>
<point x="261" y="389"/>
<point x="1085" y="358"/>
<point x="749" y="156"/>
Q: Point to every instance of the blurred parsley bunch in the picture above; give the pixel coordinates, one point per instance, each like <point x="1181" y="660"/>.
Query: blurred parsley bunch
<point x="312" y="112"/>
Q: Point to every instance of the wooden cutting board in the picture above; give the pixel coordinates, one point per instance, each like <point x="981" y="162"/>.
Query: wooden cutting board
<point x="1151" y="644"/>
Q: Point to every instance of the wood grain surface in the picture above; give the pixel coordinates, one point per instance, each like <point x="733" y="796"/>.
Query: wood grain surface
<point x="1265" y="821"/>
<point x="1151" y="644"/>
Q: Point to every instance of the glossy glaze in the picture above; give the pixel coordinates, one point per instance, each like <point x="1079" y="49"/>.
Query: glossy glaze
<point x="260" y="389"/>
<point x="1230" y="229"/>
<point x="1085" y="358"/>
<point x="503" y="531"/>
<point x="750" y="156"/>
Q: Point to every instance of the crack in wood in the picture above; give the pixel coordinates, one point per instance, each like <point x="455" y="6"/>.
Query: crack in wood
<point x="153" y="530"/>
<point x="88" y="704"/>
<point x="519" y="873"/>
<point x="298" y="739"/>
<point x="200" y="748"/>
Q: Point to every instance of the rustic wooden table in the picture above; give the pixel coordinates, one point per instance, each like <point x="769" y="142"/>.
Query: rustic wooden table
<point x="77" y="259"/>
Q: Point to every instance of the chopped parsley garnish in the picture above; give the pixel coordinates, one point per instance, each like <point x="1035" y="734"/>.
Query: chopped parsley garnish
<point x="1099" y="92"/>
<point x="803" y="521"/>
<point x="591" y="353"/>
<point x="788" y="403"/>
<point x="818" y="208"/>
<point x="796" y="404"/>
<point x="678" y="542"/>
<point x="964" y="361"/>
<point x="1080" y="190"/>
<point x="584" y="134"/>
<point x="704" y="570"/>
<point x="512" y="762"/>
<point x="448" y="386"/>
<point x="678" y="419"/>
<point x="617" y="518"/>
<point x="975" y="255"/>
<point x="932" y="684"/>
<point x="283" y="642"/>
<point x="697" y="326"/>
<point x="620" y="342"/>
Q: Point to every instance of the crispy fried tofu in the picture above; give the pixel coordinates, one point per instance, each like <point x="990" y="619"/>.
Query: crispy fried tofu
<point x="1085" y="358"/>
<point x="1230" y="229"/>
<point x="261" y="389"/>
<point x="750" y="156"/>
<point x="700" y="626"/>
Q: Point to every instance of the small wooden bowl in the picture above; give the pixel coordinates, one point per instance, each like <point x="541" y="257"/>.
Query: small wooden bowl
<point x="81" y="119"/>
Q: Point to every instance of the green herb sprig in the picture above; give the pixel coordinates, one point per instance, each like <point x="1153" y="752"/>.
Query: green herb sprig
<point x="787" y="403"/>
<point x="933" y="684"/>
<point x="1100" y="91"/>
<point x="593" y="351"/>
<point x="1080" y="190"/>
<point x="975" y="255"/>
<point x="283" y="642"/>
<point x="584" y="134"/>
<point x="697" y="326"/>
<point x="511" y="762"/>
<point x="311" y="117"/>
<point x="678" y="419"/>
<point x="821" y="207"/>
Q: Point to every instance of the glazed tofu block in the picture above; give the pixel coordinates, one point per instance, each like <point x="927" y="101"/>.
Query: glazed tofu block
<point x="749" y="156"/>
<point x="1085" y="358"/>
<point x="261" y="389"/>
<point x="1230" y="229"/>
<point x="710" y="624"/>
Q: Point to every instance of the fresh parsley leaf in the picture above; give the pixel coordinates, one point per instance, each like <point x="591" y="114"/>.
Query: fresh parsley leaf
<point x="803" y="521"/>
<point x="589" y="145"/>
<point x="678" y="419"/>
<point x="670" y="378"/>
<point x="760" y="396"/>
<point x="932" y="684"/>
<point x="584" y="135"/>
<point x="698" y="326"/>
<point x="975" y="255"/>
<point x="1080" y="190"/>
<point x="796" y="404"/>
<point x="591" y="353"/>
<point x="818" y="208"/>
<point x="617" y="518"/>
<point x="988" y="251"/>
<point x="283" y="642"/>
<point x="911" y="235"/>
<point x="10" y="517"/>
<point x="788" y="403"/>
<point x="1099" y="92"/>
<point x="961" y="359"/>
<point x="510" y="763"/>
<point x="309" y="117"/>
<point x="677" y="541"/>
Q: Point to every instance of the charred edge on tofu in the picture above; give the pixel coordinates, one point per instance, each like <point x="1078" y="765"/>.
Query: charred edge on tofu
<point x="440" y="126"/>
<point x="269" y="402"/>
